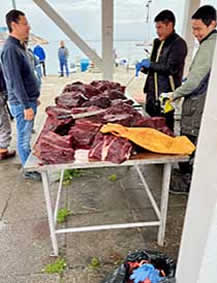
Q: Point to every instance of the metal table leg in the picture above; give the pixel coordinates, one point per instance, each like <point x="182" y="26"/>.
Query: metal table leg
<point x="149" y="193"/>
<point x="164" y="202"/>
<point x="45" y="180"/>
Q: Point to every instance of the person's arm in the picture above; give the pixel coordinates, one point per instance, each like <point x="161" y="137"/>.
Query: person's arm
<point x="36" y="61"/>
<point x="43" y="53"/>
<point x="66" y="53"/>
<point x="201" y="66"/>
<point x="12" y="64"/>
<point x="2" y="81"/>
<point x="176" y="58"/>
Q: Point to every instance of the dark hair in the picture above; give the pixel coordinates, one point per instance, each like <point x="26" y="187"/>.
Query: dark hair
<point x="206" y="14"/>
<point x="13" y="16"/>
<point x="165" y="16"/>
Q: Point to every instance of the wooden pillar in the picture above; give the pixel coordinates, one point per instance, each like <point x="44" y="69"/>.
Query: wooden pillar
<point x="107" y="39"/>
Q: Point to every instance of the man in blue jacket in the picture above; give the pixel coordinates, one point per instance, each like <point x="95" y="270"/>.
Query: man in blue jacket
<point x="40" y="53"/>
<point x="23" y="92"/>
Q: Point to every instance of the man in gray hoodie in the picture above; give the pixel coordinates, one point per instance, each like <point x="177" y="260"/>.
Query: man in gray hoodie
<point x="194" y="89"/>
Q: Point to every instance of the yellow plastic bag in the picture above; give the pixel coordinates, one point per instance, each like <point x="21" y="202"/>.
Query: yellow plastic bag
<point x="151" y="139"/>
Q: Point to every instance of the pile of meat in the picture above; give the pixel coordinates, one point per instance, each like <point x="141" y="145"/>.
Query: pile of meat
<point x="60" y="138"/>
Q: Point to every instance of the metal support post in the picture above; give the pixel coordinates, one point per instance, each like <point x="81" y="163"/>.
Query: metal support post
<point x="50" y="212"/>
<point x="164" y="202"/>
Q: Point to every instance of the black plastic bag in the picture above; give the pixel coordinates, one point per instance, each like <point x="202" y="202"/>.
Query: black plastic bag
<point x="117" y="276"/>
<point x="157" y="259"/>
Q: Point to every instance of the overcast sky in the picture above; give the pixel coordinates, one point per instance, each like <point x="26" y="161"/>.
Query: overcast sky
<point x="85" y="17"/>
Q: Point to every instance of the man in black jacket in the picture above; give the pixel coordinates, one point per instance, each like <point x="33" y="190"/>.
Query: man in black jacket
<point x="165" y="67"/>
<point x="5" y="126"/>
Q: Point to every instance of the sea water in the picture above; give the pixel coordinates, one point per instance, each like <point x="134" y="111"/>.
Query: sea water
<point x="131" y="50"/>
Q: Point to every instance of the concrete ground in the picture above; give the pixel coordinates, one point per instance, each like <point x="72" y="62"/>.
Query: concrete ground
<point x="92" y="198"/>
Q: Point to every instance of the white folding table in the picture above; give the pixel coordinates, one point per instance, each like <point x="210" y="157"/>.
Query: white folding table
<point x="81" y="161"/>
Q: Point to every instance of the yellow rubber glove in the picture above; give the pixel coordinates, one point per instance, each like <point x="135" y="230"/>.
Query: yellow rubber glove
<point x="165" y="100"/>
<point x="168" y="106"/>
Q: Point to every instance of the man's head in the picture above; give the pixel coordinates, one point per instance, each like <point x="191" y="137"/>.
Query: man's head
<point x="17" y="24"/>
<point x="203" y="21"/>
<point x="61" y="43"/>
<point x="164" y="23"/>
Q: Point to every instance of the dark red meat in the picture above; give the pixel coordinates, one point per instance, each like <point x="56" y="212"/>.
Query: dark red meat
<point x="59" y="138"/>
<point x="100" y="101"/>
<point x="83" y="133"/>
<point x="110" y="148"/>
<point x="114" y="94"/>
<point x="53" y="148"/>
<point x="74" y="87"/>
<point x="69" y="101"/>
<point x="122" y="119"/>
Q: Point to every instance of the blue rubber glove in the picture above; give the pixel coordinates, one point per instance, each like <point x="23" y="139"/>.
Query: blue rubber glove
<point x="144" y="63"/>
<point x="146" y="271"/>
<point x="138" y="68"/>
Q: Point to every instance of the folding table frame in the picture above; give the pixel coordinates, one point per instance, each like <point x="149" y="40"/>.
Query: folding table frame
<point x="81" y="161"/>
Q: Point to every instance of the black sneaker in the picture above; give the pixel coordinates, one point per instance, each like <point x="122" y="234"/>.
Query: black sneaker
<point x="32" y="175"/>
<point x="180" y="184"/>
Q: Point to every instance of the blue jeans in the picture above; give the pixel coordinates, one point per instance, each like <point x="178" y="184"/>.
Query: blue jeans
<point x="24" y="130"/>
<point x="64" y="62"/>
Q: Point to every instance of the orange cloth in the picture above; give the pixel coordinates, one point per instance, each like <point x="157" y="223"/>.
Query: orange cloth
<point x="151" y="139"/>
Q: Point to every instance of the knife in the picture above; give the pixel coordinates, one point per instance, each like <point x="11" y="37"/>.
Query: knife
<point x="81" y="115"/>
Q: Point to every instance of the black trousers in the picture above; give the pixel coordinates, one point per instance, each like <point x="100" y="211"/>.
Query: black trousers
<point x="187" y="167"/>
<point x="154" y="110"/>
